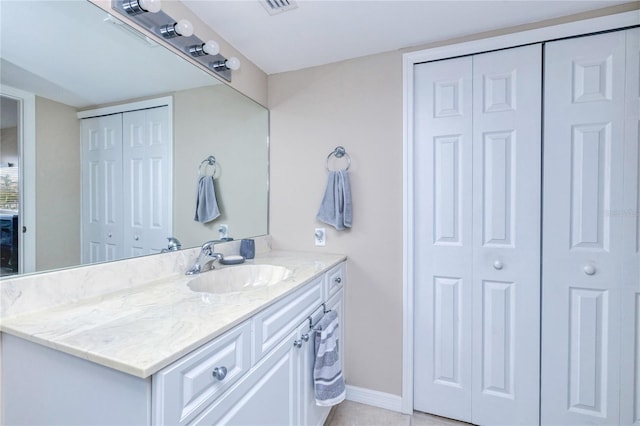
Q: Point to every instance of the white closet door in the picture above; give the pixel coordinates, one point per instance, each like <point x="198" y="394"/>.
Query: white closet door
<point x="102" y="184"/>
<point x="443" y="237"/>
<point x="630" y="357"/>
<point x="506" y="236"/>
<point x="147" y="154"/>
<point x="477" y="233"/>
<point x="583" y="238"/>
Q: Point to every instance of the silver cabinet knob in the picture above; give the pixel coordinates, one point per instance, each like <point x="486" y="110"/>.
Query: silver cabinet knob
<point x="497" y="265"/>
<point x="220" y="373"/>
<point x="338" y="280"/>
<point x="136" y="238"/>
<point x="305" y="337"/>
<point x="109" y="235"/>
<point x="589" y="269"/>
<point x="297" y="343"/>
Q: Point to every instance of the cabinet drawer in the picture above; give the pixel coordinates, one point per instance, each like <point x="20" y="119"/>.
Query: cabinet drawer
<point x="274" y="323"/>
<point x="335" y="280"/>
<point x="184" y="388"/>
<point x="266" y="396"/>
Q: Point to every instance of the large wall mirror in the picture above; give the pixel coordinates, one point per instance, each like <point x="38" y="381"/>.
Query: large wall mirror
<point x="72" y="56"/>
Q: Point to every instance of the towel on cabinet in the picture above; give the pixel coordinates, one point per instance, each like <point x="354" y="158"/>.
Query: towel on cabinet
<point x="327" y="374"/>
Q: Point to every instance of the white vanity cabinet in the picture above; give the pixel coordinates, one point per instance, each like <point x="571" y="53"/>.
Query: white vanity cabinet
<point x="279" y="390"/>
<point x="258" y="372"/>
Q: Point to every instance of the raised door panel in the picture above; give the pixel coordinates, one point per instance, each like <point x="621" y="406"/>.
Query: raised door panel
<point x="101" y="182"/>
<point x="275" y="322"/>
<point x="630" y="356"/>
<point x="186" y="387"/>
<point x="267" y="396"/>
<point x="583" y="237"/>
<point x="147" y="155"/>
<point x="506" y="235"/>
<point x="334" y="280"/>
<point x="443" y="237"/>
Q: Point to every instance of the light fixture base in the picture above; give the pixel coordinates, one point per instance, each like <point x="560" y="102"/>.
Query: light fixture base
<point x="132" y="7"/>
<point x="161" y="23"/>
<point x="169" y="31"/>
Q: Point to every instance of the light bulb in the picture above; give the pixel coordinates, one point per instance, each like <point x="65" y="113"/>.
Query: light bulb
<point x="184" y="28"/>
<point x="152" y="6"/>
<point x="211" y="48"/>
<point x="233" y="63"/>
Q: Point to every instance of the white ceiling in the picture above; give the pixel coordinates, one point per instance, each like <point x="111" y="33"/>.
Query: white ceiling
<point x="325" y="31"/>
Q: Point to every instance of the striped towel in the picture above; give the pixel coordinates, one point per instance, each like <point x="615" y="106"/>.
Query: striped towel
<point x="327" y="374"/>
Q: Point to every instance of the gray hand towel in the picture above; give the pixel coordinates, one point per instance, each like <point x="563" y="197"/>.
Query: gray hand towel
<point x="335" y="209"/>
<point x="206" y="203"/>
<point x="327" y="374"/>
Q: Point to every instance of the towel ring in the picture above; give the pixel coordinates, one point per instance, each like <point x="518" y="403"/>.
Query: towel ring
<point x="211" y="161"/>
<point x="339" y="152"/>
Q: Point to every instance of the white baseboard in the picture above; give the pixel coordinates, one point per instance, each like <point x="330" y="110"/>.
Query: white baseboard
<point x="375" y="398"/>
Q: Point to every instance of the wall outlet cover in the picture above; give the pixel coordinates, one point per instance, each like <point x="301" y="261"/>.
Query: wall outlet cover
<point x="224" y="231"/>
<point x="320" y="236"/>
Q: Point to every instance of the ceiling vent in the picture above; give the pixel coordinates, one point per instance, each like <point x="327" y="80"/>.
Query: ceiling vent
<point x="274" y="7"/>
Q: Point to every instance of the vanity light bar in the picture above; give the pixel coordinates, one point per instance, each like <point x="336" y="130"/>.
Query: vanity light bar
<point x="177" y="33"/>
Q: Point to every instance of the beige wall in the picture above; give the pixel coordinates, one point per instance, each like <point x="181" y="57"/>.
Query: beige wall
<point x="357" y="104"/>
<point x="57" y="185"/>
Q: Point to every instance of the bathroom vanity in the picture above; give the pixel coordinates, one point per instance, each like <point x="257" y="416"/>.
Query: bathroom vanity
<point x="162" y="353"/>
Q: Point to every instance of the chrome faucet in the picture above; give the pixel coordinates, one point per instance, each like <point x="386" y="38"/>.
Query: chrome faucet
<point x="174" y="245"/>
<point x="206" y="256"/>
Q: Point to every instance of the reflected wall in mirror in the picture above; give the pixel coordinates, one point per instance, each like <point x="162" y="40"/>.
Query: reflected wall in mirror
<point x="74" y="57"/>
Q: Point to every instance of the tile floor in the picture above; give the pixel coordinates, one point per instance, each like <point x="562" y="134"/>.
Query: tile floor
<point x="351" y="413"/>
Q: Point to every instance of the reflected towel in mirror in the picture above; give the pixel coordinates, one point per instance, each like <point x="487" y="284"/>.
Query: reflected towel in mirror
<point x="206" y="202"/>
<point x="335" y="209"/>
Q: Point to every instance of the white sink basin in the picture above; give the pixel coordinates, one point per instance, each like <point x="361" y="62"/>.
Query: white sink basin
<point x="239" y="278"/>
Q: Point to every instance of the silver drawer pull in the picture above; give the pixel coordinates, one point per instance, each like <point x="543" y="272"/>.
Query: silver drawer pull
<point x="305" y="337"/>
<point x="338" y="280"/>
<point x="297" y="343"/>
<point x="220" y="373"/>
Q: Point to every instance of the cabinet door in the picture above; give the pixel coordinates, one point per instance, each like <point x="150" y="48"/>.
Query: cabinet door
<point x="101" y="188"/>
<point x="147" y="178"/>
<point x="583" y="238"/>
<point x="268" y="395"/>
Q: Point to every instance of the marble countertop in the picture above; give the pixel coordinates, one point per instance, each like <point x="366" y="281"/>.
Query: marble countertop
<point x="143" y="329"/>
